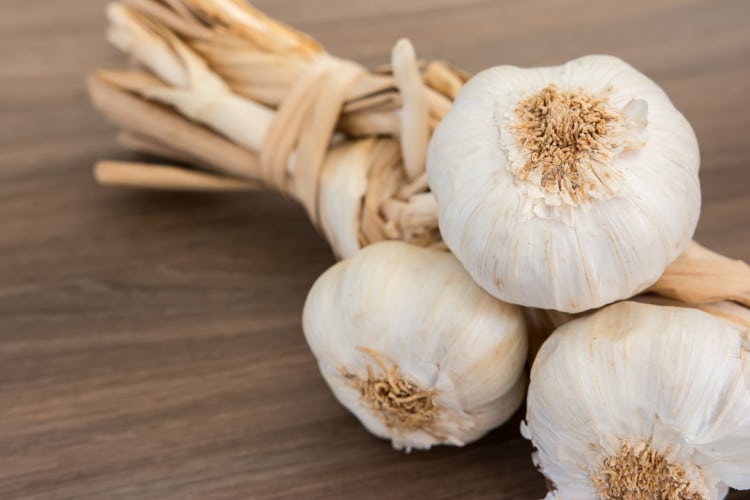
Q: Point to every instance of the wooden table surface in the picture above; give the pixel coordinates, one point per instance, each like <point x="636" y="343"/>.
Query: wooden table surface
<point x="150" y="343"/>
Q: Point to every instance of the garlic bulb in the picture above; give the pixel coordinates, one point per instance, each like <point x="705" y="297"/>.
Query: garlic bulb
<point x="414" y="348"/>
<point x="565" y="187"/>
<point x="642" y="401"/>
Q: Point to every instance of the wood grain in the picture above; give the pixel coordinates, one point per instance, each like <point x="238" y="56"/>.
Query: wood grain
<point x="150" y="343"/>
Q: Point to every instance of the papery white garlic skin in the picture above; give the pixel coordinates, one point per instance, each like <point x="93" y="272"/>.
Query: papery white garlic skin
<point x="420" y="312"/>
<point x="675" y="380"/>
<point x="548" y="245"/>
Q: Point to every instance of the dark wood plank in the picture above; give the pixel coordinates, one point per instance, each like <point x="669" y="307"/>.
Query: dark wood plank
<point x="150" y="344"/>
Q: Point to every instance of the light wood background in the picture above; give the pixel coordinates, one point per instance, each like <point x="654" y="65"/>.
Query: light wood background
<point x="150" y="343"/>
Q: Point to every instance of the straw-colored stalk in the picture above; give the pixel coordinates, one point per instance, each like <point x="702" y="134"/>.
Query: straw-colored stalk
<point x="285" y="148"/>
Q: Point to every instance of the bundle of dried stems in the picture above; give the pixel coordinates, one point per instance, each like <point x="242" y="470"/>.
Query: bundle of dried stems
<point x="240" y="101"/>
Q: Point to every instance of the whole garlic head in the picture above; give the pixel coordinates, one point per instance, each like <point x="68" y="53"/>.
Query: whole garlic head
<point x="642" y="401"/>
<point x="565" y="187"/>
<point x="414" y="348"/>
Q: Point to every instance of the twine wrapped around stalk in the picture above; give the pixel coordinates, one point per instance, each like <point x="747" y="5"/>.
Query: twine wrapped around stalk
<point x="332" y="138"/>
<point x="250" y="103"/>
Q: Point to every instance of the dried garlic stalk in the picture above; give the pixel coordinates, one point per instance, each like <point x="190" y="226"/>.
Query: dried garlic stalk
<point x="291" y="143"/>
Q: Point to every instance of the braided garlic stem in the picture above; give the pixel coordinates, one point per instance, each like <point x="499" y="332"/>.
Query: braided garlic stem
<point x="357" y="191"/>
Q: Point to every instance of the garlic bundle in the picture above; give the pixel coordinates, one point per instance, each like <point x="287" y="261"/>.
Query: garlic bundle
<point x="642" y="401"/>
<point x="565" y="187"/>
<point x="414" y="348"/>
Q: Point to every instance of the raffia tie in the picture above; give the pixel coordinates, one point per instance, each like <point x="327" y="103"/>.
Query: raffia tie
<point x="301" y="132"/>
<point x="297" y="159"/>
